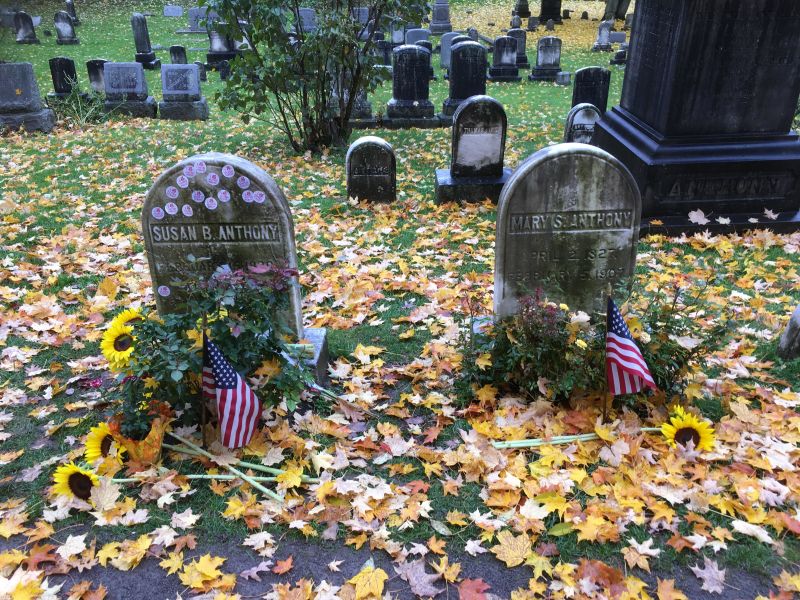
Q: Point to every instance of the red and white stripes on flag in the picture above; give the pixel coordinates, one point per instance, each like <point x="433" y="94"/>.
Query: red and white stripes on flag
<point x="626" y="370"/>
<point x="238" y="408"/>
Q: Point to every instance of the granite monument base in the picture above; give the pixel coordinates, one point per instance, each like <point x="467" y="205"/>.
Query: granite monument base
<point x="401" y="123"/>
<point x="602" y="48"/>
<point x="503" y="74"/>
<point x="440" y="28"/>
<point x="318" y="336"/>
<point x="68" y="42"/>
<point x="184" y="111"/>
<point x="148" y="60"/>
<point x="29" y="41"/>
<point x="468" y="189"/>
<point x="409" y="109"/>
<point x="40" y="120"/>
<point x="724" y="176"/>
<point x="134" y="108"/>
<point x="543" y="74"/>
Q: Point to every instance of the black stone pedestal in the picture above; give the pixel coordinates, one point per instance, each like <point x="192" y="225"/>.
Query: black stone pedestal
<point x="408" y="109"/>
<point x="134" y="108"/>
<point x="504" y="74"/>
<point x="468" y="189"/>
<point x="40" y="120"/>
<point x="214" y="59"/>
<point x="184" y="111"/>
<point x="541" y="74"/>
<point x="148" y="60"/>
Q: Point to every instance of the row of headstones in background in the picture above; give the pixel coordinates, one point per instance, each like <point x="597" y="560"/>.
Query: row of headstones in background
<point x="20" y="102"/>
<point x="196" y="16"/>
<point x="222" y="210"/>
<point x="64" y="21"/>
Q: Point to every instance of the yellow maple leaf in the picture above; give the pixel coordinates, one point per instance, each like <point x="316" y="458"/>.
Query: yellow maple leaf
<point x="512" y="550"/>
<point x="487" y="393"/>
<point x="369" y="583"/>
<point x="290" y="479"/>
<point x="364" y="353"/>
<point x="455" y="517"/>
<point x="208" y="566"/>
<point x="173" y="563"/>
<point x="269" y="369"/>
<point x="540" y="564"/>
<point x="446" y="570"/>
<point x="484" y="361"/>
<point x="406" y="335"/>
<point x="110" y="550"/>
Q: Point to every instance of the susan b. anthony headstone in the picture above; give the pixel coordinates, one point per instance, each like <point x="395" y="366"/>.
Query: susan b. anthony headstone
<point x="371" y="170"/>
<point x="212" y="210"/>
<point x="20" y="102"/>
<point x="568" y="223"/>
<point x="478" y="146"/>
<point x="580" y="123"/>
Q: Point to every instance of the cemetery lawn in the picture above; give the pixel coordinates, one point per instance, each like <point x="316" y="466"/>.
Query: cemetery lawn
<point x="391" y="284"/>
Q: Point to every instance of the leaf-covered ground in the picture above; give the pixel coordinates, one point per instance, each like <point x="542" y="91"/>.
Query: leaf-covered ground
<point x="418" y="486"/>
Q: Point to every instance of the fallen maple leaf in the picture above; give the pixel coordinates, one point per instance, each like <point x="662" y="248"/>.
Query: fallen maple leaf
<point x="472" y="589"/>
<point x="698" y="217"/>
<point x="512" y="550"/>
<point x="369" y="582"/>
<point x="420" y="582"/>
<point x="283" y="566"/>
<point x="253" y="572"/>
<point x="711" y="575"/>
<point x="666" y="590"/>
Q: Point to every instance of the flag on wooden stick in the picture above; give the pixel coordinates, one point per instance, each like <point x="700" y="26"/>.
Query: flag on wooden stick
<point x="238" y="408"/>
<point x="626" y="370"/>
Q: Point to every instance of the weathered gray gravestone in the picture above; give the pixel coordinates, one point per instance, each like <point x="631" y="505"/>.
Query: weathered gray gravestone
<point x="20" y="103"/>
<point x="580" y="123"/>
<point x="308" y="20"/>
<point x="417" y="35"/>
<point x="550" y="11"/>
<point x="180" y="88"/>
<point x="25" y="32"/>
<point x="568" y="223"/>
<point x="445" y="46"/>
<point x="141" y="37"/>
<point x="789" y="344"/>
<point x="64" y="76"/>
<point x="550" y="25"/>
<point x="617" y="37"/>
<point x="478" y="146"/>
<point x="467" y="75"/>
<point x="548" y="59"/>
<point x="563" y="78"/>
<point x="371" y="170"/>
<point x="603" y="42"/>
<point x="522" y="56"/>
<point x="585" y="16"/>
<point x="194" y="18"/>
<point x="410" y="84"/>
<point x="220" y="48"/>
<point x="126" y="90"/>
<point x="70" y="8"/>
<point x="397" y="33"/>
<point x="504" y="60"/>
<point x="516" y="22"/>
<point x="522" y="9"/>
<point x="173" y="10"/>
<point x="533" y="23"/>
<point x="201" y="67"/>
<point x="694" y="135"/>
<point x="65" y="30"/>
<point x="212" y="210"/>
<point x="94" y="68"/>
<point x="177" y="55"/>
<point x="441" y="18"/>
<point x="591" y="85"/>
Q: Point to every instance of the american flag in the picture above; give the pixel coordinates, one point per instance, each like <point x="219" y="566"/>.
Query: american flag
<point x="626" y="370"/>
<point x="238" y="408"/>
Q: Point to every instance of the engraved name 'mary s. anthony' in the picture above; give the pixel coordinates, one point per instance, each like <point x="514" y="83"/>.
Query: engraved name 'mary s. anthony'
<point x="582" y="221"/>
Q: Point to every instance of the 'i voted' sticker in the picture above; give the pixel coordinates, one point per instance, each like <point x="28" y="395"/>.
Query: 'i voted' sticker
<point x="183" y="181"/>
<point x="199" y="167"/>
<point x="247" y="196"/>
<point x="187" y="210"/>
<point x="188" y="170"/>
<point x="224" y="196"/>
<point x="227" y="170"/>
<point x="212" y="179"/>
<point x="171" y="208"/>
<point x="243" y="182"/>
<point x="211" y="203"/>
<point x="164" y="291"/>
<point x="198" y="196"/>
<point x="259" y="197"/>
<point x="172" y="192"/>
<point x="157" y="212"/>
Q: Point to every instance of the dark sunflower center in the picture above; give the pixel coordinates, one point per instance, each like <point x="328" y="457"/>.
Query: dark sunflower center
<point x="105" y="445"/>
<point x="684" y="434"/>
<point x="80" y="485"/>
<point x="123" y="342"/>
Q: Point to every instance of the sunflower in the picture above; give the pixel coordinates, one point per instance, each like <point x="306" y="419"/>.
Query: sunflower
<point x="99" y="444"/>
<point x="117" y="345"/>
<point x="74" y="482"/>
<point x="684" y="427"/>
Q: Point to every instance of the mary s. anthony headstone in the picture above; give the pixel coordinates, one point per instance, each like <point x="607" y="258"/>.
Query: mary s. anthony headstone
<point x="65" y="29"/>
<point x="95" y="69"/>
<point x="20" y="103"/>
<point x="467" y="75"/>
<point x="126" y="90"/>
<point x="25" y="31"/>
<point x="580" y="123"/>
<point x="478" y="146"/>
<point x="504" y="60"/>
<point x="212" y="210"/>
<point x="371" y="170"/>
<point x="591" y="86"/>
<point x="141" y="37"/>
<point x="410" y="85"/>
<point x="69" y="6"/>
<point x="705" y="118"/>
<point x="183" y="99"/>
<point x="548" y="59"/>
<point x="567" y="222"/>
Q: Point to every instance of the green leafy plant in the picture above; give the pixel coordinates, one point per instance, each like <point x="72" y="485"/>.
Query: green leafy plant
<point x="305" y="82"/>
<point x="79" y="108"/>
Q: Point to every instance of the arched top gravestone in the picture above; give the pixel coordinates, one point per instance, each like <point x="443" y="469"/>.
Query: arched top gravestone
<point x="567" y="222"/>
<point x="479" y="138"/>
<point x="371" y="170"/>
<point x="211" y="210"/>
<point x="580" y="123"/>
